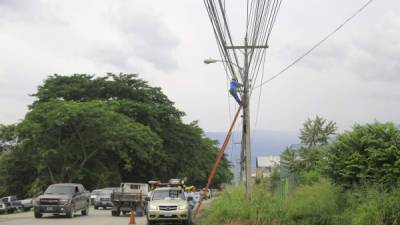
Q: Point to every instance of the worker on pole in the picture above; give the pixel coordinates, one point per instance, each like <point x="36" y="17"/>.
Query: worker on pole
<point x="233" y="89"/>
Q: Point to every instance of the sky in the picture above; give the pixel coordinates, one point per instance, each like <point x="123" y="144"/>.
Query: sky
<point x="354" y="77"/>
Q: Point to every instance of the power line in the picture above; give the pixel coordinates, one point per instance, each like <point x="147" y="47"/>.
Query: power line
<point x="260" y="18"/>
<point x="316" y="45"/>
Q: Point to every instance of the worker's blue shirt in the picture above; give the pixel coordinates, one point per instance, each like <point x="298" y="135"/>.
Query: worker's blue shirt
<point x="233" y="85"/>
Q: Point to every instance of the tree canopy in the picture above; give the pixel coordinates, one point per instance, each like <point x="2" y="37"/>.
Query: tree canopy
<point x="316" y="132"/>
<point x="100" y="131"/>
<point x="367" y="155"/>
<point x="314" y="135"/>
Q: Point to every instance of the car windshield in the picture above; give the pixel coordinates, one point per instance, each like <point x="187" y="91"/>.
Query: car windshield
<point x="96" y="192"/>
<point x="58" y="189"/>
<point x="168" y="194"/>
<point x="106" y="192"/>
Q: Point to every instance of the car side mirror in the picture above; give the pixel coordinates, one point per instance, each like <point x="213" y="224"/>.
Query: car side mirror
<point x="190" y="198"/>
<point x="147" y="199"/>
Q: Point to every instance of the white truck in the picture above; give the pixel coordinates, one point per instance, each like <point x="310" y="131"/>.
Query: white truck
<point x="130" y="196"/>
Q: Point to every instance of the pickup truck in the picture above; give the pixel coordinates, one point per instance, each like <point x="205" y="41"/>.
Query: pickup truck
<point x="169" y="204"/>
<point x="129" y="196"/>
<point x="103" y="200"/>
<point x="63" y="198"/>
<point x="11" y="203"/>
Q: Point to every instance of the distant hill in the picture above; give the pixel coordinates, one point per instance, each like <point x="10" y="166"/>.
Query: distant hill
<point x="264" y="143"/>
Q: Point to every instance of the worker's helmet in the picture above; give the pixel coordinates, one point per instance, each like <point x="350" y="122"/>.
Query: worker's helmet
<point x="234" y="78"/>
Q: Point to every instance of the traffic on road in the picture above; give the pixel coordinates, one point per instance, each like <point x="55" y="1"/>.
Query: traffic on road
<point x="153" y="203"/>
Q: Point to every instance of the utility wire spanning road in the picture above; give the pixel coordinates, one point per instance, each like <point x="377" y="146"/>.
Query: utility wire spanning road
<point x="95" y="217"/>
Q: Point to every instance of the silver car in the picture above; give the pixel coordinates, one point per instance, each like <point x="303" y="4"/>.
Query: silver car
<point x="93" y="195"/>
<point x="103" y="200"/>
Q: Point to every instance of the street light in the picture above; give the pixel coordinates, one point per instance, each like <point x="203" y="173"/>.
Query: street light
<point x="211" y="60"/>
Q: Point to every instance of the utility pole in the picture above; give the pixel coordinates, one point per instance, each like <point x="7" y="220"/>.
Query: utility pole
<point x="259" y="23"/>
<point x="245" y="156"/>
<point x="246" y="120"/>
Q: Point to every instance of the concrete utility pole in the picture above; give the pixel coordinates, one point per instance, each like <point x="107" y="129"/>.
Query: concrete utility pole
<point x="260" y="20"/>
<point x="246" y="121"/>
<point x="245" y="156"/>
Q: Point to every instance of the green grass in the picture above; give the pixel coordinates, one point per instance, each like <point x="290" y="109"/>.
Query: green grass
<point x="320" y="203"/>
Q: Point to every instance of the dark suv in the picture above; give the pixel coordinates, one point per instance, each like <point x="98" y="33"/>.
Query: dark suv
<point x="66" y="198"/>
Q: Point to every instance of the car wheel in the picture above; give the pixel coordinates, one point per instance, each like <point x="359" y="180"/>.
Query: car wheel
<point x="38" y="215"/>
<point x="96" y="207"/>
<point x="10" y="210"/>
<point x="152" y="222"/>
<point x="70" y="214"/>
<point x="186" y="222"/>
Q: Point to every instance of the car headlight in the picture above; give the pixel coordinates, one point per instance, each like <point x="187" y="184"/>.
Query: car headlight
<point x="64" y="201"/>
<point x="183" y="207"/>
<point x="153" y="207"/>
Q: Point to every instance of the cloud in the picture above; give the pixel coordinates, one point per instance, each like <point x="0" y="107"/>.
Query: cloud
<point x="146" y="36"/>
<point x="371" y="52"/>
<point x="120" y="35"/>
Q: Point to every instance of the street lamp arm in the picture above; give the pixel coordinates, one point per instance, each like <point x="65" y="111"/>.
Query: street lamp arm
<point x="210" y="60"/>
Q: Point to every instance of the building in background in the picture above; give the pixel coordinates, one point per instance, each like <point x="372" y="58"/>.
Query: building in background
<point x="265" y="165"/>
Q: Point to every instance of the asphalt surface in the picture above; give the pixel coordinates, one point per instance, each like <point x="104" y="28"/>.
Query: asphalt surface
<point x="95" y="217"/>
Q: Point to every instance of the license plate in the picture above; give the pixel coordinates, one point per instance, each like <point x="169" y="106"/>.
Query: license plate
<point x="167" y="214"/>
<point x="49" y="208"/>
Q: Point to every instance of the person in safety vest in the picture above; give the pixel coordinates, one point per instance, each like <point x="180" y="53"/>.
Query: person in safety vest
<point x="233" y="89"/>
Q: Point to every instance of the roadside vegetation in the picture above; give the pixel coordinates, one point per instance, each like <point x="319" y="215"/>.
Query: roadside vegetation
<point x="100" y="131"/>
<point x="351" y="178"/>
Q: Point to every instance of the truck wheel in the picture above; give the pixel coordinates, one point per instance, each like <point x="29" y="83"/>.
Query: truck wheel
<point x="85" y="212"/>
<point x="115" y="213"/>
<point x="38" y="215"/>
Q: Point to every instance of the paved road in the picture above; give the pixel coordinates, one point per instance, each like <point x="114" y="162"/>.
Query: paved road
<point x="95" y="217"/>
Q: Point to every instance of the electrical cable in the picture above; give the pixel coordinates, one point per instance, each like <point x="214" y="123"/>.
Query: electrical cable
<point x="316" y="45"/>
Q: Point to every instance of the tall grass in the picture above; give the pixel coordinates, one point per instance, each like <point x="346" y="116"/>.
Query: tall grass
<point x="312" y="204"/>
<point x="320" y="203"/>
<point x="377" y="207"/>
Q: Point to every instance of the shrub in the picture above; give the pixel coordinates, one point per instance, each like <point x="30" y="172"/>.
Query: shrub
<point x="312" y="204"/>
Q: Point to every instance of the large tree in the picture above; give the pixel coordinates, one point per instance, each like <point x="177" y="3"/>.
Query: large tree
<point x="103" y="130"/>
